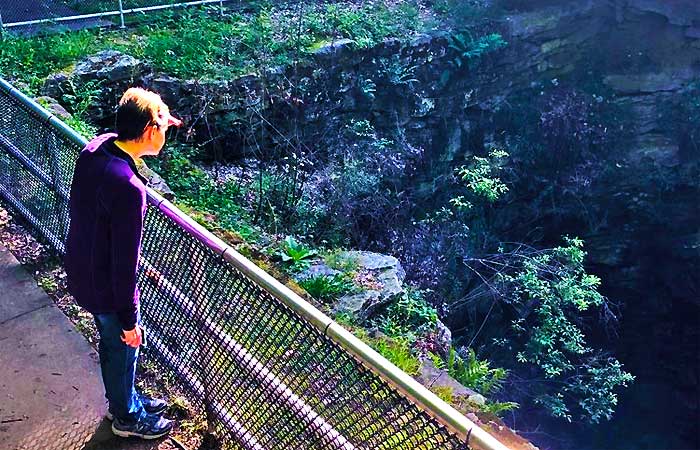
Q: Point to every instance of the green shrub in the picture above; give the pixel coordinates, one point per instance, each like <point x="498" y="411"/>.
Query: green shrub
<point x="481" y="180"/>
<point x="478" y="375"/>
<point x="410" y="315"/>
<point x="468" y="51"/>
<point x="474" y="373"/>
<point x="295" y="254"/>
<point x="549" y="291"/>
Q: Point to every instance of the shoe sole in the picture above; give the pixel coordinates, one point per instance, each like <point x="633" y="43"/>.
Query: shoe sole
<point x="121" y="433"/>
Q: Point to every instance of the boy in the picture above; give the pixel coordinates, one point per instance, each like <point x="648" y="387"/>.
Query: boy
<point x="107" y="208"/>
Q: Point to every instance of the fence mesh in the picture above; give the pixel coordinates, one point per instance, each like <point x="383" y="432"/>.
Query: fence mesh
<point x="265" y="376"/>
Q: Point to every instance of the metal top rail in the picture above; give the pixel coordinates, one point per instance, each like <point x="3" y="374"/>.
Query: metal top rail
<point x="434" y="406"/>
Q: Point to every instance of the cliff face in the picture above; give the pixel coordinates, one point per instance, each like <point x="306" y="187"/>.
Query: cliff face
<point x="642" y="224"/>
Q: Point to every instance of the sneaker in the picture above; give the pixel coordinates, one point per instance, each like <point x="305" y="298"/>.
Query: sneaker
<point x="151" y="405"/>
<point x="149" y="427"/>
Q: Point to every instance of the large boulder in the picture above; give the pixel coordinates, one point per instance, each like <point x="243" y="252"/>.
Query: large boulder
<point x="381" y="276"/>
<point x="103" y="76"/>
<point x="110" y="66"/>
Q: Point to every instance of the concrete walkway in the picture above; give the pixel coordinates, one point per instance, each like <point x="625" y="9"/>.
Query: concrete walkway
<point x="51" y="394"/>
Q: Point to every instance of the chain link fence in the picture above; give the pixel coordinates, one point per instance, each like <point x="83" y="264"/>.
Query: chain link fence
<point x="27" y="16"/>
<point x="269" y="370"/>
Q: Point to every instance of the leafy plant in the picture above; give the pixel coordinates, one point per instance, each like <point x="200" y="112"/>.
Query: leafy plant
<point x="480" y="179"/>
<point x="498" y="408"/>
<point x="409" y="315"/>
<point x="474" y="373"/>
<point x="468" y="50"/>
<point x="550" y="291"/>
<point x="446" y="393"/>
<point x="398" y="352"/>
<point x="295" y="254"/>
<point x="397" y="72"/>
<point x="79" y="101"/>
<point x="346" y="318"/>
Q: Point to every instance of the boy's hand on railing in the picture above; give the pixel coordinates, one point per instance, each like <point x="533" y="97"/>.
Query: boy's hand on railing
<point x="132" y="338"/>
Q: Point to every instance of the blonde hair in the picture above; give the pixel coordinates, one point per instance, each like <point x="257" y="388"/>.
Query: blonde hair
<point x="138" y="108"/>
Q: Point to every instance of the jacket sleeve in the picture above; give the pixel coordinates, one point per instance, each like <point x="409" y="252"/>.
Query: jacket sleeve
<point x="125" y="230"/>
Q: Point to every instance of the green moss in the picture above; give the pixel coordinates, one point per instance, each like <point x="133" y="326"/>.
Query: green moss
<point x="338" y="259"/>
<point x="446" y="393"/>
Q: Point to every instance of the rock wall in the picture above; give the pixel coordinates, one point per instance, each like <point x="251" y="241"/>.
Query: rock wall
<point x="550" y="43"/>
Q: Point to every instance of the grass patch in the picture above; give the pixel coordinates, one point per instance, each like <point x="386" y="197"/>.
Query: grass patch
<point x="326" y="288"/>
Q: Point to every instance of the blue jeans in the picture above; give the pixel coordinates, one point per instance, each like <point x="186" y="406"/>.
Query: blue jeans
<point x="118" y="363"/>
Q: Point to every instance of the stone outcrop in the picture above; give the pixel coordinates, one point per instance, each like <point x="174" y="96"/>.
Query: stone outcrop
<point x="545" y="44"/>
<point x="381" y="278"/>
<point x="104" y="76"/>
<point x="54" y="107"/>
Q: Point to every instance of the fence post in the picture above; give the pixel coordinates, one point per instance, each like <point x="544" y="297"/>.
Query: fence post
<point x="221" y="8"/>
<point x="121" y="14"/>
<point x="2" y="27"/>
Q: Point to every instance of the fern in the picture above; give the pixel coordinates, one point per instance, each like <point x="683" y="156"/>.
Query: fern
<point x="474" y="373"/>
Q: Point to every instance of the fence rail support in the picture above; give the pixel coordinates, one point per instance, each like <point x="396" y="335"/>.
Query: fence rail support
<point x="121" y="14"/>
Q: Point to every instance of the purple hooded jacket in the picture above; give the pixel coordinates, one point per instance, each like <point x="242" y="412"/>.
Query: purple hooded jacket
<point x="107" y="208"/>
